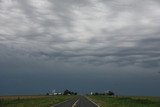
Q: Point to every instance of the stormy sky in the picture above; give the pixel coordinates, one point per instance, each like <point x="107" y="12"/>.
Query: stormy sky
<point x="81" y="45"/>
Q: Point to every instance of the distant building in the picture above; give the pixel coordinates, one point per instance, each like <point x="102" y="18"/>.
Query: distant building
<point x="53" y="92"/>
<point x="50" y="94"/>
<point x="59" y="93"/>
<point x="108" y="92"/>
<point x="91" y="93"/>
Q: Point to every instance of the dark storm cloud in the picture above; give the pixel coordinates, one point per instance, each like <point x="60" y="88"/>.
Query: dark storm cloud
<point x="145" y="53"/>
<point x="92" y="44"/>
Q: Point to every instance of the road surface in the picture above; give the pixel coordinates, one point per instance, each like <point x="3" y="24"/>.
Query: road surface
<point x="84" y="102"/>
<point x="77" y="102"/>
<point x="67" y="103"/>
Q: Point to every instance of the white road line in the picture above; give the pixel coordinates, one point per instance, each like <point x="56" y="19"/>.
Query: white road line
<point x="60" y="103"/>
<point x="92" y="101"/>
<point x="74" y="105"/>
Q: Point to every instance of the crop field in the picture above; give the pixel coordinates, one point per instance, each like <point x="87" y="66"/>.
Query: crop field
<point x="121" y="101"/>
<point x="31" y="101"/>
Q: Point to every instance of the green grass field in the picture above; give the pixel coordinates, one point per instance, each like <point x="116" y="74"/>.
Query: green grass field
<point x="133" y="101"/>
<point x="31" y="101"/>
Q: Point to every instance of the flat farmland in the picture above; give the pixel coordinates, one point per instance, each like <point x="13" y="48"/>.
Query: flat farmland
<point x="31" y="101"/>
<point x="129" y="101"/>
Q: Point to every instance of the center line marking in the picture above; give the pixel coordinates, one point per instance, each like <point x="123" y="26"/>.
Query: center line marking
<point x="74" y="105"/>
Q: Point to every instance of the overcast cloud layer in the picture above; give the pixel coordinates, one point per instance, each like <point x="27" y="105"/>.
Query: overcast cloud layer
<point x="93" y="31"/>
<point x="121" y="33"/>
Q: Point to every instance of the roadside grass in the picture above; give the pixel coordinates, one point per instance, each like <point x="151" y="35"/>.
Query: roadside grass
<point x="31" y="101"/>
<point x="121" y="101"/>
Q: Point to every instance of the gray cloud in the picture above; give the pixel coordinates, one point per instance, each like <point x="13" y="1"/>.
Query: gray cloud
<point x="123" y="32"/>
<point x="102" y="44"/>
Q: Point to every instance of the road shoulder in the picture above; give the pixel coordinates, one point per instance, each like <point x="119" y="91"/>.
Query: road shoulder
<point x="92" y="101"/>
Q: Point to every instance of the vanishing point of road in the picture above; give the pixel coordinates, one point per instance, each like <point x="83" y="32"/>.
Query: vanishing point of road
<point x="77" y="102"/>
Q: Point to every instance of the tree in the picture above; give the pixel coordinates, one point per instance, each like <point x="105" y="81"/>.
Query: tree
<point x="75" y="93"/>
<point x="47" y="93"/>
<point x="96" y="93"/>
<point x="110" y="93"/>
<point x="67" y="92"/>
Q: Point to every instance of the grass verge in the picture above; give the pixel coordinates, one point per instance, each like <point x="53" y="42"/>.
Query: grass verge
<point x="134" y="101"/>
<point x="31" y="101"/>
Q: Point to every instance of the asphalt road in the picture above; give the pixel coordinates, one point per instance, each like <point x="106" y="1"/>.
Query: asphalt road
<point x="77" y="102"/>
<point x="67" y="103"/>
<point x="84" y="102"/>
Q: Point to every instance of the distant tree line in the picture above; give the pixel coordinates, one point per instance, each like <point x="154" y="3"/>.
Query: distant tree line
<point x="109" y="93"/>
<point x="67" y="92"/>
